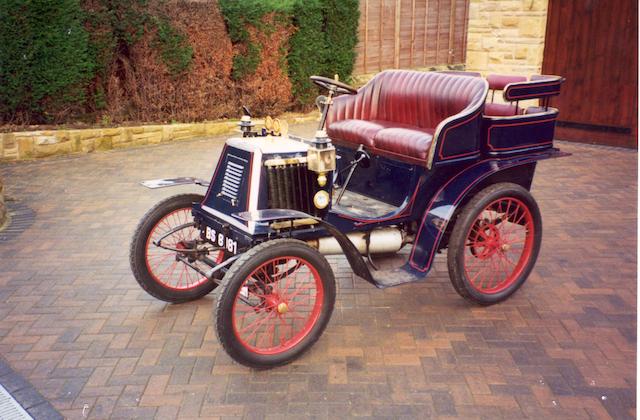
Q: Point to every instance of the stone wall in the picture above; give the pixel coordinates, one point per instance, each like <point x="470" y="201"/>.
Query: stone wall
<point x="3" y="208"/>
<point x="38" y="144"/>
<point x="506" y="36"/>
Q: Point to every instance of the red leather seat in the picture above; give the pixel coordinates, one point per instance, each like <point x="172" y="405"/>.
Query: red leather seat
<point x="405" y="141"/>
<point x="398" y="111"/>
<point x="501" y="110"/>
<point x="499" y="82"/>
<point x="357" y="131"/>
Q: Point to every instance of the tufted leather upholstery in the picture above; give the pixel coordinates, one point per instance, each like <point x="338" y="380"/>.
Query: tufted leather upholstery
<point x="405" y="141"/>
<point x="357" y="131"/>
<point x="398" y="111"/>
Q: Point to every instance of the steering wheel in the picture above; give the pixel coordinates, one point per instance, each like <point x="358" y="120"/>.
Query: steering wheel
<point x="331" y="84"/>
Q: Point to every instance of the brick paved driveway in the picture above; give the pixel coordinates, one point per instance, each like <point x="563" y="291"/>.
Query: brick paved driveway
<point x="75" y="323"/>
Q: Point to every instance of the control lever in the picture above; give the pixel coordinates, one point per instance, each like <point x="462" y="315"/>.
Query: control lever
<point x="359" y="156"/>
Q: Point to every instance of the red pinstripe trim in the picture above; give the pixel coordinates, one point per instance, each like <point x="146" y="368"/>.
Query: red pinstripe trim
<point x="524" y="147"/>
<point x="424" y="217"/>
<point x="515" y="125"/>
<point x="461" y="155"/>
<point x="444" y="137"/>
<point x="457" y="200"/>
<point x="529" y="85"/>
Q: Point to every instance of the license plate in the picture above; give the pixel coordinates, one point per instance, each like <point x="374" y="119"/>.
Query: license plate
<point x="219" y="239"/>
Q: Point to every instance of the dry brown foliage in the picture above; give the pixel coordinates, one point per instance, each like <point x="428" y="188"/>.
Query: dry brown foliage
<point x="140" y="87"/>
<point x="268" y="90"/>
<point x="207" y="90"/>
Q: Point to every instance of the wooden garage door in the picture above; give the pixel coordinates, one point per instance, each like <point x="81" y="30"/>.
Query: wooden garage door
<point x="593" y="43"/>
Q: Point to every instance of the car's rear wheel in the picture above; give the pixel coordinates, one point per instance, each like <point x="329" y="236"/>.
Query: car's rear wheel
<point x="494" y="243"/>
<point x="275" y="302"/>
<point x="159" y="270"/>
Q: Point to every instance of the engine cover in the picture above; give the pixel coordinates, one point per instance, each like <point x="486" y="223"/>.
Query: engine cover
<point x="264" y="173"/>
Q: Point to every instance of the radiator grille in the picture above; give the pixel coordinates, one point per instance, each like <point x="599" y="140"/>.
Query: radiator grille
<point x="291" y="186"/>
<point x="231" y="181"/>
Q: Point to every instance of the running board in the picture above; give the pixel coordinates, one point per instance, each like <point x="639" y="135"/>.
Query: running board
<point x="393" y="270"/>
<point x="394" y="277"/>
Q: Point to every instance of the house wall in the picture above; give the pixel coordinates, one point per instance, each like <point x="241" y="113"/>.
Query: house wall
<point x="506" y="36"/>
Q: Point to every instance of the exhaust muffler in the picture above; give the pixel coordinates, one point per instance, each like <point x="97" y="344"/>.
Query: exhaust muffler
<point x="381" y="241"/>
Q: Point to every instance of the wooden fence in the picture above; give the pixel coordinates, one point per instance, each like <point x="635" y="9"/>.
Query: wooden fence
<point x="411" y="34"/>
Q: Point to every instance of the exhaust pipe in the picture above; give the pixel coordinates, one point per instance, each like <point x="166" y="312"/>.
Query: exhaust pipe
<point x="381" y="241"/>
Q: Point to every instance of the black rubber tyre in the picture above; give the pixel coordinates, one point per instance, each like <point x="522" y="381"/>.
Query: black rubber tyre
<point x="249" y="306"/>
<point x="161" y="283"/>
<point x="488" y="230"/>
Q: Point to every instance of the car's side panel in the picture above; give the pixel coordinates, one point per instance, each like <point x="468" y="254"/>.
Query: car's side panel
<point x="449" y="197"/>
<point x="504" y="136"/>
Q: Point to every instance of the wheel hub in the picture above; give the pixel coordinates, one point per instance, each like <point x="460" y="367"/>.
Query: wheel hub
<point x="282" y="308"/>
<point x="488" y="242"/>
<point x="188" y="248"/>
<point x="273" y="302"/>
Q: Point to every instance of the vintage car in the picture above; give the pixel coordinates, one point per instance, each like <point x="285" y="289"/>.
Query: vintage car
<point x="408" y="165"/>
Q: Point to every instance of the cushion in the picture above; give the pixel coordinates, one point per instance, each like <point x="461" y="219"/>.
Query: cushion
<point x="501" y="110"/>
<point x="356" y="131"/>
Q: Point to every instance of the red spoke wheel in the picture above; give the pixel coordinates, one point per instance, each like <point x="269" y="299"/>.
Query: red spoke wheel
<point x="275" y="302"/>
<point x="494" y="243"/>
<point x="158" y="270"/>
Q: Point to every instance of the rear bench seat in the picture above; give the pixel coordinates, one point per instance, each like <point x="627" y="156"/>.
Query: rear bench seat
<point x="398" y="112"/>
<point x="499" y="82"/>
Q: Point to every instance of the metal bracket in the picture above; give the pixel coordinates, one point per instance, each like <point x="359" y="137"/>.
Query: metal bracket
<point x="173" y="182"/>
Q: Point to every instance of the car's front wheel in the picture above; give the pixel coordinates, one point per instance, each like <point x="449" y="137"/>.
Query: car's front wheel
<point x="158" y="269"/>
<point x="274" y="303"/>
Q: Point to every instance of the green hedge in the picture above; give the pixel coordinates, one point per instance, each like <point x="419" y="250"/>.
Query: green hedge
<point x="51" y="50"/>
<point x="44" y="58"/>
<point x="326" y="34"/>
<point x="341" y="35"/>
<point x="175" y="51"/>
<point x="55" y="57"/>
<point x="239" y="15"/>
<point x="308" y="49"/>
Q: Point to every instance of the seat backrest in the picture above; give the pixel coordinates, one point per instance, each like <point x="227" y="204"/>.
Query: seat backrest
<point x="422" y="99"/>
<point x="500" y="81"/>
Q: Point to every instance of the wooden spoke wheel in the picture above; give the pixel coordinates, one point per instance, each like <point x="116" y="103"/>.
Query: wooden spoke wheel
<point x="494" y="243"/>
<point x="275" y="302"/>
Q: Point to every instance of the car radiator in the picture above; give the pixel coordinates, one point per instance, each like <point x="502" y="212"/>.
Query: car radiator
<point x="291" y="184"/>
